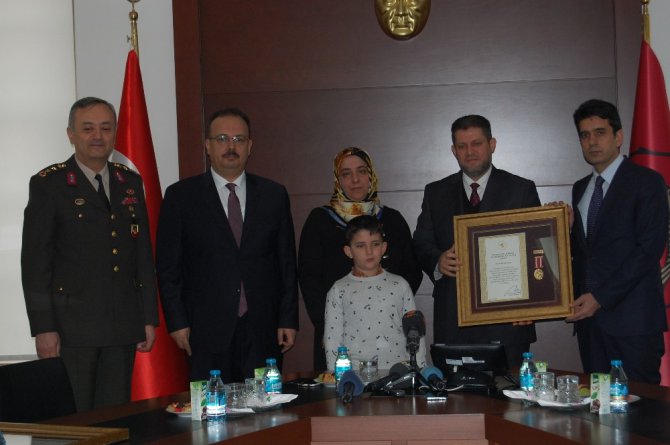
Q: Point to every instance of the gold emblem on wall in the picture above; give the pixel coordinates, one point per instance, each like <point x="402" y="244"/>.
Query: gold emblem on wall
<point x="402" y="19"/>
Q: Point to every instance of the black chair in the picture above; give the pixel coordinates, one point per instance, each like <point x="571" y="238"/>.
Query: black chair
<point x="34" y="391"/>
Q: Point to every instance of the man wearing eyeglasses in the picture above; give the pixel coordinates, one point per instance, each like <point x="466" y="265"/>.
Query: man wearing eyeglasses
<point x="226" y="259"/>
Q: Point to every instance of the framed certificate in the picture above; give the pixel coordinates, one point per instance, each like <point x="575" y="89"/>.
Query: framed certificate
<point x="515" y="265"/>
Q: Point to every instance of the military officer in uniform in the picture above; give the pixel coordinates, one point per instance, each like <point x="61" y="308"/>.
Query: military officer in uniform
<point x="87" y="266"/>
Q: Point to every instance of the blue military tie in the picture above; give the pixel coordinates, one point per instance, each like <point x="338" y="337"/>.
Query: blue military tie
<point x="594" y="207"/>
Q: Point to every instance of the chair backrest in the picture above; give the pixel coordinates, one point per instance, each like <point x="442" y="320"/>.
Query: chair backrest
<point x="34" y="391"/>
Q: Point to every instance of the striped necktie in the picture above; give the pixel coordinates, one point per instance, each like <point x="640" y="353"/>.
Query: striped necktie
<point x="594" y="207"/>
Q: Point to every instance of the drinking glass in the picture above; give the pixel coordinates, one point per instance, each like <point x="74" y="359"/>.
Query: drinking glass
<point x="544" y="386"/>
<point x="236" y="395"/>
<point x="367" y="369"/>
<point x="567" y="389"/>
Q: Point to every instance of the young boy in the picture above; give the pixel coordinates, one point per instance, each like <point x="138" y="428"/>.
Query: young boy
<point x="364" y="309"/>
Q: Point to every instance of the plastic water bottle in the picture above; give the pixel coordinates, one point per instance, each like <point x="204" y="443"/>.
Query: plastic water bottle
<point x="216" y="397"/>
<point x="618" y="388"/>
<point x="526" y="372"/>
<point x="272" y="377"/>
<point x="342" y="363"/>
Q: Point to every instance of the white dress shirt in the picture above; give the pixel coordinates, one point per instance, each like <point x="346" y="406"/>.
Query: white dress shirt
<point x="241" y="190"/>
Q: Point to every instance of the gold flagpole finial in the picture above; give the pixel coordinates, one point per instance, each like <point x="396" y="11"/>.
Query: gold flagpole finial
<point x="645" y="21"/>
<point x="133" y="28"/>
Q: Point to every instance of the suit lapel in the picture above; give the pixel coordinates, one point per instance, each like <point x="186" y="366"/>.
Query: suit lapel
<point x="119" y="188"/>
<point x="609" y="201"/>
<point x="452" y="200"/>
<point x="577" y="193"/>
<point x="450" y="203"/>
<point x="251" y="206"/>
<point x="494" y="194"/>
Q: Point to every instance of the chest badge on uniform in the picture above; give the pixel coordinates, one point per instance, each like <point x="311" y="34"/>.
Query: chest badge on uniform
<point x="79" y="201"/>
<point x="134" y="230"/>
<point x="130" y="192"/>
<point x="71" y="178"/>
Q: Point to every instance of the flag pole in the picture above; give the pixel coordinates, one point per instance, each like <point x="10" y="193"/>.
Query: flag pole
<point x="163" y="370"/>
<point x="650" y="145"/>
<point x="132" y="38"/>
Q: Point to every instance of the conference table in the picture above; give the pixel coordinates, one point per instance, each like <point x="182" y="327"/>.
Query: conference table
<point x="318" y="416"/>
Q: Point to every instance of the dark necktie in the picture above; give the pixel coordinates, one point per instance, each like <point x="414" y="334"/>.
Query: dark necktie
<point x="594" y="207"/>
<point x="101" y="191"/>
<point x="235" y="221"/>
<point x="474" y="197"/>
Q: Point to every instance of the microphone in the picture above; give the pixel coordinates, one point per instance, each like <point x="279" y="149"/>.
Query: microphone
<point x="435" y="377"/>
<point x="414" y="327"/>
<point x="396" y="371"/>
<point x="350" y="385"/>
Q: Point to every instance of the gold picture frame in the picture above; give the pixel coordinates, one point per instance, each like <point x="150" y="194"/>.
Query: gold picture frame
<point x="79" y="435"/>
<point x="515" y="265"/>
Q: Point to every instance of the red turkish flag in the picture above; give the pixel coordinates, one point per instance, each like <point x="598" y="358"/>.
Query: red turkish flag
<point x="650" y="146"/>
<point x="162" y="371"/>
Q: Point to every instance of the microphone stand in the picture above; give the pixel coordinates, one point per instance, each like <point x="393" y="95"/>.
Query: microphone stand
<point x="418" y="382"/>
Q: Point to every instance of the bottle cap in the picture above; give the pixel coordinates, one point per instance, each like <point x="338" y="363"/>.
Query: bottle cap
<point x="616" y="362"/>
<point x="342" y="350"/>
<point x="270" y="361"/>
<point x="215" y="372"/>
<point x="527" y="355"/>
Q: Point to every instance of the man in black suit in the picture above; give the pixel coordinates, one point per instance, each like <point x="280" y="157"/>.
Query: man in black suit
<point x="618" y="236"/>
<point x="478" y="187"/>
<point x="226" y="259"/>
<point x="87" y="264"/>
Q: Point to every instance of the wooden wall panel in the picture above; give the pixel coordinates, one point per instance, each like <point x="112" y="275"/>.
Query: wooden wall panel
<point x="271" y="46"/>
<point x="187" y="39"/>
<point x="316" y="77"/>
<point x="407" y="130"/>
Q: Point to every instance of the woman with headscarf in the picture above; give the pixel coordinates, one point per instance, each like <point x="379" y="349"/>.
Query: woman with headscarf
<point x="321" y="258"/>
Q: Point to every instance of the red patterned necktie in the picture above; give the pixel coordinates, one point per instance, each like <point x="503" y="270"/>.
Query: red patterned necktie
<point x="235" y="221"/>
<point x="474" y="197"/>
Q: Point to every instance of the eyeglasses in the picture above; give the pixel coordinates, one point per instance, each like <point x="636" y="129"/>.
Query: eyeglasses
<point x="223" y="139"/>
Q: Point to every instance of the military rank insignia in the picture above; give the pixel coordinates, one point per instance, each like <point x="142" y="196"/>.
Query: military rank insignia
<point x="119" y="177"/>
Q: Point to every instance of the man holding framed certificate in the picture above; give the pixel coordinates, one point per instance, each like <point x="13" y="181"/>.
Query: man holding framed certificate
<point x="477" y="187"/>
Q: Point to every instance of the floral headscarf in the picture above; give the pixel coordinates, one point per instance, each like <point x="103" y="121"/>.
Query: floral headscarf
<point x="340" y="203"/>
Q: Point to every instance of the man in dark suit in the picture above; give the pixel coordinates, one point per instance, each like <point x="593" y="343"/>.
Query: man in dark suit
<point x="478" y="187"/>
<point x="87" y="264"/>
<point x="618" y="236"/>
<point x="226" y="259"/>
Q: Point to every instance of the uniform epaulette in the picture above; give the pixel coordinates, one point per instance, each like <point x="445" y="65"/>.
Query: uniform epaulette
<point x="124" y="167"/>
<point x="52" y="168"/>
